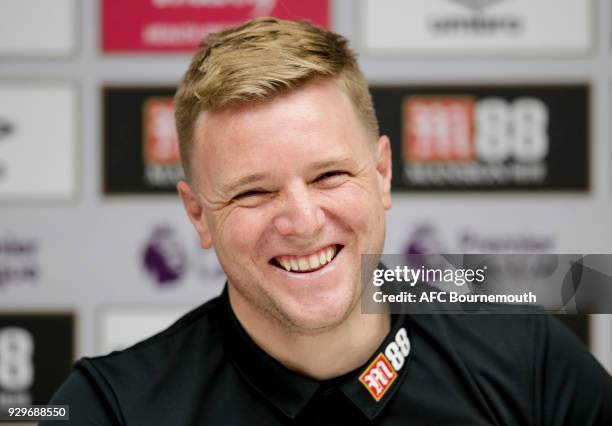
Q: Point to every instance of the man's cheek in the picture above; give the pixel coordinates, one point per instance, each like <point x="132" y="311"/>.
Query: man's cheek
<point x="355" y="205"/>
<point x="240" y="231"/>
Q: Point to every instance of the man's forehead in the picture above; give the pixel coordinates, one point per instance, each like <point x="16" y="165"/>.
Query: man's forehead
<point x="321" y="92"/>
<point x="318" y="120"/>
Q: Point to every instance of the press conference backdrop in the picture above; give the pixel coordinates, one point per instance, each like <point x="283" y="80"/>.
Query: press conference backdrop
<point x="95" y="250"/>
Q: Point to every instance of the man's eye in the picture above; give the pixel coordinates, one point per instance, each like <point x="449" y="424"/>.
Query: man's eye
<point x="248" y="194"/>
<point x="329" y="175"/>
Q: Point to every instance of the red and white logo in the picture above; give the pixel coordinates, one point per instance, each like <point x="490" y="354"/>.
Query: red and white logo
<point x="460" y="129"/>
<point x="160" y="139"/>
<point x="377" y="378"/>
<point x="439" y="129"/>
<point x="161" y="154"/>
<point x="382" y="372"/>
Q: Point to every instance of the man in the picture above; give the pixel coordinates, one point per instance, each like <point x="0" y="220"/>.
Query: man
<point x="288" y="180"/>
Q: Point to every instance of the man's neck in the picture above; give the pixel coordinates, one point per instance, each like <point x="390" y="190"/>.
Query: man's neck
<point x="320" y="356"/>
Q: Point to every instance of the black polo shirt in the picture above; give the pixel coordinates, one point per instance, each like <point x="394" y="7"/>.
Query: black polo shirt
<point x="430" y="370"/>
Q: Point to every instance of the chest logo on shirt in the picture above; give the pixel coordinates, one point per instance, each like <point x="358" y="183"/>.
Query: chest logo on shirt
<point x="382" y="372"/>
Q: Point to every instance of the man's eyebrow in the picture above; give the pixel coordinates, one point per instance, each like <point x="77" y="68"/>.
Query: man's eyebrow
<point x="334" y="162"/>
<point x="243" y="181"/>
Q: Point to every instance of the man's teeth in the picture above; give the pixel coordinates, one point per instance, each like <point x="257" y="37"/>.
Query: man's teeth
<point x="307" y="263"/>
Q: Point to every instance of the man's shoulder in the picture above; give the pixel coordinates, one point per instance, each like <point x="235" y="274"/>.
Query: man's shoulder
<point x="514" y="340"/>
<point x="488" y="323"/>
<point x="521" y="347"/>
<point x="190" y="346"/>
<point x="201" y="319"/>
<point x="153" y="380"/>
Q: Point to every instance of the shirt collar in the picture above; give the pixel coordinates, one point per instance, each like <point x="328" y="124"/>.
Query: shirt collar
<point x="290" y="392"/>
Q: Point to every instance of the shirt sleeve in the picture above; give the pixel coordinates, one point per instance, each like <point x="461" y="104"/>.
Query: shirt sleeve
<point x="90" y="402"/>
<point x="575" y="389"/>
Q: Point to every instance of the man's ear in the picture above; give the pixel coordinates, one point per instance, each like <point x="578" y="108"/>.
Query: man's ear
<point x="384" y="169"/>
<point x="195" y="212"/>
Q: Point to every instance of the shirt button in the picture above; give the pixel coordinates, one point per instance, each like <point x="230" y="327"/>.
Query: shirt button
<point x="329" y="392"/>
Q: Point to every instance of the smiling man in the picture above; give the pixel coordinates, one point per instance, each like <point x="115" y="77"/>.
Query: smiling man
<point x="290" y="192"/>
<point x="288" y="181"/>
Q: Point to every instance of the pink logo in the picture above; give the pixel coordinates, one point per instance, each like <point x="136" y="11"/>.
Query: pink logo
<point x="180" y="25"/>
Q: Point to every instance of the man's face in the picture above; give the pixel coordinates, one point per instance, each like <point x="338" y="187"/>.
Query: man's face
<point x="291" y="183"/>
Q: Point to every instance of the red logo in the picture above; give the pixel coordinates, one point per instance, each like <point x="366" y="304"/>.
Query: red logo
<point x="378" y="377"/>
<point x="161" y="144"/>
<point x="438" y="129"/>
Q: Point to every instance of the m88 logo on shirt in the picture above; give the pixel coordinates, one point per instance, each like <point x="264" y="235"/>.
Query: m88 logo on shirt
<point x="382" y="372"/>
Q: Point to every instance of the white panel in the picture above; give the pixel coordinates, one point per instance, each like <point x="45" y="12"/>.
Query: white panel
<point x="601" y="330"/>
<point x="37" y="141"/>
<point x="470" y="223"/>
<point x="477" y="26"/>
<point x="37" y="27"/>
<point x="122" y="326"/>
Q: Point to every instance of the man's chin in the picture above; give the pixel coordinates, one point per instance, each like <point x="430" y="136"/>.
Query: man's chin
<point x="310" y="328"/>
<point x="318" y="319"/>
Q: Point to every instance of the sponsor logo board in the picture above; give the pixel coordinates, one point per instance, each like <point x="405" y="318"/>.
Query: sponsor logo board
<point x="37" y="141"/>
<point x="179" y="25"/>
<point x="36" y="354"/>
<point x="487" y="138"/>
<point x="141" y="151"/>
<point x="38" y="27"/>
<point x="550" y="27"/>
<point x="122" y="326"/>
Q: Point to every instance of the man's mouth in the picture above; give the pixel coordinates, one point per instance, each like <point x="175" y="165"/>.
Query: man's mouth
<point x="309" y="263"/>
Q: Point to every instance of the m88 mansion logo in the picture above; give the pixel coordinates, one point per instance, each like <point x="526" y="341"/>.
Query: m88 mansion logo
<point x="488" y="138"/>
<point x="141" y="147"/>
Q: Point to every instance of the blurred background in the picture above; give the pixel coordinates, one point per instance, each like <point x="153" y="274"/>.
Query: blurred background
<point x="498" y="111"/>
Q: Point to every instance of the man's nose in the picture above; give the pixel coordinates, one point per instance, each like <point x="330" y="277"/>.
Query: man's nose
<point x="300" y="214"/>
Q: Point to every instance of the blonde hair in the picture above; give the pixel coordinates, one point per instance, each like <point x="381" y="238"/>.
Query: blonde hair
<point x="260" y="60"/>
